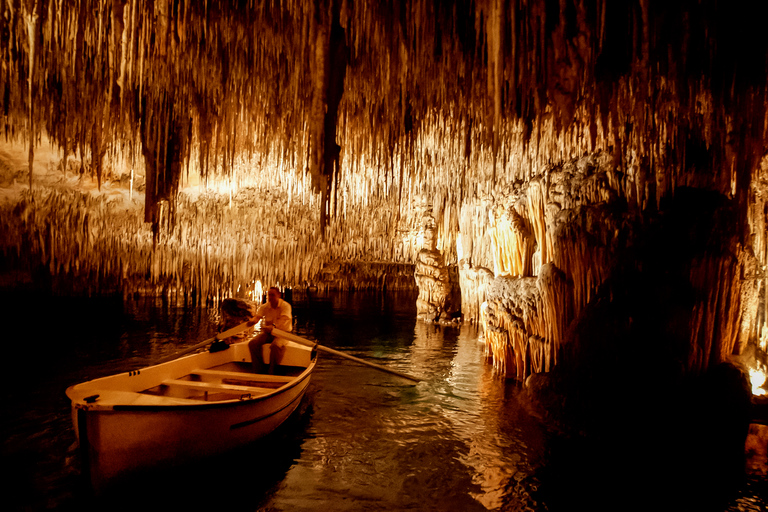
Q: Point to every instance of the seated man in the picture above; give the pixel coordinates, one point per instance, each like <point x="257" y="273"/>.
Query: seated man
<point x="276" y="313"/>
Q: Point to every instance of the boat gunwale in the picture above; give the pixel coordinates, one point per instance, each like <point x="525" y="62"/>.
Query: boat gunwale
<point x="79" y="404"/>
<point x="235" y="402"/>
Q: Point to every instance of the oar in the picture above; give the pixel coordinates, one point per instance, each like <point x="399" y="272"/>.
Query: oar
<point x="303" y="341"/>
<point x="221" y="336"/>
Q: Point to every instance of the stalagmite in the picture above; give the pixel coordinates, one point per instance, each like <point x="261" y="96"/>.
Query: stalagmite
<point x="438" y="300"/>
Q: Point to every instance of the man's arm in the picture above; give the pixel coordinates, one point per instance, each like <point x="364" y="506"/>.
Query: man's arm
<point x="255" y="320"/>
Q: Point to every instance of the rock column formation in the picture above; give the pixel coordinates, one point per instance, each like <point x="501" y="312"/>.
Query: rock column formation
<point x="438" y="300"/>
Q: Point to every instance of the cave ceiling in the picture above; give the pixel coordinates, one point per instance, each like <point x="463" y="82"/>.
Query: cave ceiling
<point x="372" y="112"/>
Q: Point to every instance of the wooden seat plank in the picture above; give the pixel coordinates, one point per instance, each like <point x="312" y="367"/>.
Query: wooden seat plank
<point x="209" y="386"/>
<point x="133" y="398"/>
<point x="252" y="377"/>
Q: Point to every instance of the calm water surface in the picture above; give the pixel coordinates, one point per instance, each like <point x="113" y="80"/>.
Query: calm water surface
<point x="361" y="439"/>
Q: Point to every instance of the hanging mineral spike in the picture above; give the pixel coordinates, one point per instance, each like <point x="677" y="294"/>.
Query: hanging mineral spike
<point x="197" y="148"/>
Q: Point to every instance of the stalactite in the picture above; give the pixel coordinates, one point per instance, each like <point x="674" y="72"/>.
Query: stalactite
<point x="717" y="318"/>
<point x="556" y="315"/>
<point x="32" y="22"/>
<point x="574" y="117"/>
<point x="513" y="244"/>
<point x="515" y="322"/>
<point x="110" y="242"/>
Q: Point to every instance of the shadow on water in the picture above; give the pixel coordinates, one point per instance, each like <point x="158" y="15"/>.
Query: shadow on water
<point x="243" y="479"/>
<point x="52" y="342"/>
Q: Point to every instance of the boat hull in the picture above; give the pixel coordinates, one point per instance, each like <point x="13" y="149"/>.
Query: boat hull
<point x="121" y="434"/>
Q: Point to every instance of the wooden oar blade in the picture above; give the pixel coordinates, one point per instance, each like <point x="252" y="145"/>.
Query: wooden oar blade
<point x="304" y="341"/>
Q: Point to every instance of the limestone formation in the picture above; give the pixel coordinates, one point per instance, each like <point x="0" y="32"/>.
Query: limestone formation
<point x="204" y="146"/>
<point x="437" y="282"/>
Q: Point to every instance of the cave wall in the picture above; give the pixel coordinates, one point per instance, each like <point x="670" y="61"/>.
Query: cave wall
<point x="685" y="255"/>
<point x="67" y="236"/>
<point x="547" y="138"/>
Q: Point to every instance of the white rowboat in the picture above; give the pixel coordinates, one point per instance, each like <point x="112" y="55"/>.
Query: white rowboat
<point x="196" y="406"/>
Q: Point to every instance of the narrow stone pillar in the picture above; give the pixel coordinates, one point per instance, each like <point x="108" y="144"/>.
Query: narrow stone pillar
<point x="436" y="301"/>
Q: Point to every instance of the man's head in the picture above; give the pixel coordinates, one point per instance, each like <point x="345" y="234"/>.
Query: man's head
<point x="273" y="296"/>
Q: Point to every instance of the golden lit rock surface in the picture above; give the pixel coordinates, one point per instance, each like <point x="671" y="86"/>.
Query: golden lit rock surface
<point x="204" y="146"/>
<point x="438" y="299"/>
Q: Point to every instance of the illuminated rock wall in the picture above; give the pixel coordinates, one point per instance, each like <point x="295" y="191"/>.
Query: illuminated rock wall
<point x="82" y="240"/>
<point x="592" y="239"/>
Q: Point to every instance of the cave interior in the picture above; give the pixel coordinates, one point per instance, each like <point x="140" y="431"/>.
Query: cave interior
<point x="585" y="179"/>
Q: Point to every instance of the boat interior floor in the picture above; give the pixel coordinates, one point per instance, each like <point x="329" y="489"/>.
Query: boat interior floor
<point x="231" y="381"/>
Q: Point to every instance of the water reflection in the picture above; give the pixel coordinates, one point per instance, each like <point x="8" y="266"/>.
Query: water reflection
<point x="362" y="439"/>
<point x="379" y="442"/>
<point x="475" y="403"/>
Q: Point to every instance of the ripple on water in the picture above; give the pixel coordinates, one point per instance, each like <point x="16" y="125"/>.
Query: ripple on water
<point x="362" y="439"/>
